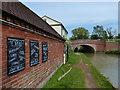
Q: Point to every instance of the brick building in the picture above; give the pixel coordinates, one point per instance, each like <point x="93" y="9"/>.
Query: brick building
<point x="30" y="50"/>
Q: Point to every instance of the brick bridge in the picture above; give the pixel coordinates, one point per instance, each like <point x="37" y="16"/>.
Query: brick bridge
<point x="95" y="45"/>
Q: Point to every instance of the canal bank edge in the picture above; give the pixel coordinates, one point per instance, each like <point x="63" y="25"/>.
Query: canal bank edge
<point x="116" y="52"/>
<point x="87" y="61"/>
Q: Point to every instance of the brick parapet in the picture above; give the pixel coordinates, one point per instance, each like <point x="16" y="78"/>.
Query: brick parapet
<point x="97" y="44"/>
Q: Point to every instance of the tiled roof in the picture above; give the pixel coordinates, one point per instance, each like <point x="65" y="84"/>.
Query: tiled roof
<point x="21" y="11"/>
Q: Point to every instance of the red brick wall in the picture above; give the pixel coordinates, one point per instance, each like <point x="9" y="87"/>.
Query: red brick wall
<point x="30" y="77"/>
<point x="89" y="42"/>
<point x="99" y="45"/>
<point x="0" y="57"/>
<point x="112" y="46"/>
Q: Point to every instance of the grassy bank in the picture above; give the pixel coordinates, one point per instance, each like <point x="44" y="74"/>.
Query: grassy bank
<point x="100" y="79"/>
<point x="75" y="78"/>
<point x="113" y="41"/>
<point x="112" y="51"/>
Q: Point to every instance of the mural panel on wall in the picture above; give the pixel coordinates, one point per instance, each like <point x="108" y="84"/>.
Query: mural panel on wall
<point x="16" y="55"/>
<point x="34" y="52"/>
<point x="44" y="51"/>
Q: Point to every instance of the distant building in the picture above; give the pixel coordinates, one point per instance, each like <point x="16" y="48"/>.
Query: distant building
<point x="58" y="26"/>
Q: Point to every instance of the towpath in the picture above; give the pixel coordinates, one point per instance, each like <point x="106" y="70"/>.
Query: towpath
<point x="89" y="79"/>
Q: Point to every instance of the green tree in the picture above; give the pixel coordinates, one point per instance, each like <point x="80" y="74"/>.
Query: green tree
<point x="94" y="36"/>
<point x="79" y="33"/>
<point x="72" y="38"/>
<point x="110" y="33"/>
<point x="104" y="35"/>
<point x="118" y="37"/>
<point x="99" y="30"/>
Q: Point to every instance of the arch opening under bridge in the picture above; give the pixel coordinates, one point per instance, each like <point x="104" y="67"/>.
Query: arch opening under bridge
<point x="85" y="49"/>
<point x="76" y="49"/>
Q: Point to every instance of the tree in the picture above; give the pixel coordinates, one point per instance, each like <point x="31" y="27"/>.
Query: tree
<point x="118" y="37"/>
<point x="79" y="33"/>
<point x="94" y="36"/>
<point x="72" y="38"/>
<point x="104" y="35"/>
<point x="99" y="30"/>
<point x="110" y="33"/>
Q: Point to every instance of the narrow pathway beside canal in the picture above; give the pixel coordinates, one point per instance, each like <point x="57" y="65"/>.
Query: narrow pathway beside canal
<point x="89" y="80"/>
<point x="82" y="75"/>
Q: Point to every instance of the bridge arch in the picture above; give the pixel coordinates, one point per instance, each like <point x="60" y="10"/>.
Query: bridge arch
<point x="88" y="49"/>
<point x="98" y="45"/>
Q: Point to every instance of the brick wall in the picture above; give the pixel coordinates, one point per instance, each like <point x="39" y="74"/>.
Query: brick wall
<point x="0" y="58"/>
<point x="112" y="46"/>
<point x="30" y="77"/>
<point x="98" y="45"/>
<point x="89" y="42"/>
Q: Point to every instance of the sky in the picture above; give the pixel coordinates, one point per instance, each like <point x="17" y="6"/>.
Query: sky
<point x="78" y="14"/>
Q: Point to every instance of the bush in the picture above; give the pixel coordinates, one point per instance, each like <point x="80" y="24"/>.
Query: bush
<point x="112" y="51"/>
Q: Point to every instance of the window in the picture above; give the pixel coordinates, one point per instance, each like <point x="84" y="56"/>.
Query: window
<point x="34" y="52"/>
<point x="44" y="51"/>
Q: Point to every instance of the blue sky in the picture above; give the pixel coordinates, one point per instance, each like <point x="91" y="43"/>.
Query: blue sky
<point x="79" y="14"/>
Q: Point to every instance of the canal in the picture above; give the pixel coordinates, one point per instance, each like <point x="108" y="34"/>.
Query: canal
<point x="106" y="64"/>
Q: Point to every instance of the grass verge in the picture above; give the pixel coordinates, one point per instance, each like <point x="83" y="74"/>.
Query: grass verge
<point x="74" y="79"/>
<point x="73" y="58"/>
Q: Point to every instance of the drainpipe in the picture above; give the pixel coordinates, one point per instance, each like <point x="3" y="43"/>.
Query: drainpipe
<point x="64" y="58"/>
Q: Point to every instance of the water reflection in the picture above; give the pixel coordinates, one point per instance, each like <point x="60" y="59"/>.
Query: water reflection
<point x="106" y="64"/>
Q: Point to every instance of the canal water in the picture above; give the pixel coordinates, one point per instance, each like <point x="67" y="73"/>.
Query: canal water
<point x="106" y="64"/>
